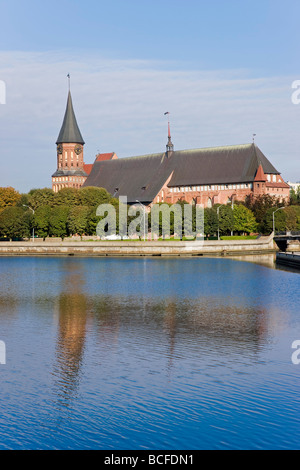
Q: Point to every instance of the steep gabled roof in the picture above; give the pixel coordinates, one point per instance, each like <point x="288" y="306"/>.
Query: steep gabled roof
<point x="138" y="178"/>
<point x="259" y="159"/>
<point x="69" y="132"/>
<point x="141" y="178"/>
<point x="230" y="164"/>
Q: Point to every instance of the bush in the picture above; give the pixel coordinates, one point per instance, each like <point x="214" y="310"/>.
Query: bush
<point x="58" y="221"/>
<point x="77" y="221"/>
<point x="244" y="220"/>
<point x="14" y="223"/>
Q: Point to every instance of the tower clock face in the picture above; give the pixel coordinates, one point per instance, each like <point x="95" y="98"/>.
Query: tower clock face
<point x="78" y="149"/>
<point x="59" y="149"/>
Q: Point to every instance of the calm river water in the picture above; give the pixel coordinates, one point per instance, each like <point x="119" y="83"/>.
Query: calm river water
<point x="143" y="353"/>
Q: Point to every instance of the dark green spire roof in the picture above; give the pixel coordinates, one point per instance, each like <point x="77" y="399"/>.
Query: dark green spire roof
<point x="69" y="132"/>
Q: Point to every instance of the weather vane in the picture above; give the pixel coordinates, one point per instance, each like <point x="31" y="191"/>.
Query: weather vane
<point x="167" y="114"/>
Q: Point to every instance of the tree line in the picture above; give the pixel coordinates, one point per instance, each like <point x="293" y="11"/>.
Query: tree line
<point x="73" y="212"/>
<point x="70" y="211"/>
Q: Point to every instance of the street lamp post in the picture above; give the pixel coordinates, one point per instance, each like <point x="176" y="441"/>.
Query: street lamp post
<point x="232" y="198"/>
<point x="24" y="205"/>
<point x="274" y="218"/>
<point x="218" y="208"/>
<point x="144" y="217"/>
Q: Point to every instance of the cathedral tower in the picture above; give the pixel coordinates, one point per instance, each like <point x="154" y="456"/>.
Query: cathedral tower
<point x="70" y="164"/>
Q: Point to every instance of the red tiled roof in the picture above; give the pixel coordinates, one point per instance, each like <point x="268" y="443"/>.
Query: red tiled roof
<point x="104" y="156"/>
<point x="88" y="168"/>
<point x="260" y="176"/>
<point x="279" y="184"/>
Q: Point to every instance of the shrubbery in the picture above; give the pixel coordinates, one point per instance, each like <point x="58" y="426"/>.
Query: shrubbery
<point x="73" y="211"/>
<point x="70" y="211"/>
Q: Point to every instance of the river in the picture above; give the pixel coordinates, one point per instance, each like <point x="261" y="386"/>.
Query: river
<point x="148" y="353"/>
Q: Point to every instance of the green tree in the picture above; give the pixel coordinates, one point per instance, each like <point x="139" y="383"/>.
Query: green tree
<point x="297" y="212"/>
<point x="24" y="200"/>
<point x="77" y="221"/>
<point x="226" y="220"/>
<point x="58" y="221"/>
<point x="244" y="220"/>
<point x="210" y="221"/>
<point x="14" y="223"/>
<point x="279" y="221"/>
<point x="40" y="197"/>
<point x="295" y="196"/>
<point x="92" y="221"/>
<point x="42" y="221"/>
<point x="93" y="196"/>
<point x="67" y="197"/>
<point x="259" y="206"/>
<point x="292" y="217"/>
<point x="28" y="222"/>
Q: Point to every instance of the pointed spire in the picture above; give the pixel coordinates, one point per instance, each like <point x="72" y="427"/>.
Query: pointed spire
<point x="69" y="132"/>
<point x="169" y="146"/>
<point x="260" y="175"/>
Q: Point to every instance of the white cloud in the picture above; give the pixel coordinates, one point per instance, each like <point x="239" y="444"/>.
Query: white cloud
<point x="120" y="104"/>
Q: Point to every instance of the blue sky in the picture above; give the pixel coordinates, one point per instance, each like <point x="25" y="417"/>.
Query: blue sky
<point x="223" y="69"/>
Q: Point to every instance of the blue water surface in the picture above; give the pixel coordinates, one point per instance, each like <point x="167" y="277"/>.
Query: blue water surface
<point x="148" y="353"/>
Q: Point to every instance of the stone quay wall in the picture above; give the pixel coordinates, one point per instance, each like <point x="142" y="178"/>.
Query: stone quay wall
<point x="140" y="248"/>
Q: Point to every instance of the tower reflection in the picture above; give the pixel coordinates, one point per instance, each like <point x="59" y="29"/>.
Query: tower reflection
<point x="71" y="311"/>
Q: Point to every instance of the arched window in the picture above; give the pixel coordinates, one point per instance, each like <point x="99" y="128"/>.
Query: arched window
<point x="209" y="203"/>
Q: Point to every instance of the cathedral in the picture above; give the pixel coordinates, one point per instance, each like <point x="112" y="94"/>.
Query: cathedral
<point x="204" y="176"/>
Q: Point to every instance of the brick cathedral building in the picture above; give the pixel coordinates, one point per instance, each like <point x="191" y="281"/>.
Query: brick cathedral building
<point x="205" y="176"/>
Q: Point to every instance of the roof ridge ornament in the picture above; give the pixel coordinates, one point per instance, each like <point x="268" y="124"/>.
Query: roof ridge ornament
<point x="169" y="146"/>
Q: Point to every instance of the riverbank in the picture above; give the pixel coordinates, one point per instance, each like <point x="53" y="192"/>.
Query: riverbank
<point x="140" y="248"/>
